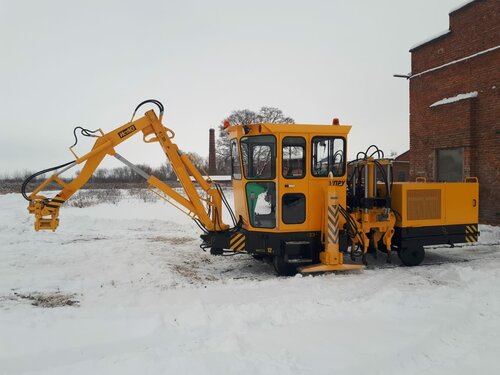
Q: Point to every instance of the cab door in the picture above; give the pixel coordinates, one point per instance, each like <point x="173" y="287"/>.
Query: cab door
<point x="293" y="186"/>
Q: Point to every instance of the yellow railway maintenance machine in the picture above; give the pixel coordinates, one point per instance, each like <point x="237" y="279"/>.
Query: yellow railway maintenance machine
<point x="298" y="203"/>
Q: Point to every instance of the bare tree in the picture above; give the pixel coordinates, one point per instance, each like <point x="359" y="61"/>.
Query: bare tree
<point x="199" y="161"/>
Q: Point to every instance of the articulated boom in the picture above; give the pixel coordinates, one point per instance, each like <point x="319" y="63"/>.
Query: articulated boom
<point x="46" y="210"/>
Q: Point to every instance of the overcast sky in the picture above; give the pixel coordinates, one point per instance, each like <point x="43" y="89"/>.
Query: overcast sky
<point x="89" y="63"/>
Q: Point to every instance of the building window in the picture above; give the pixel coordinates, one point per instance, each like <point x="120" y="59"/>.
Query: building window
<point x="328" y="155"/>
<point x="450" y="165"/>
<point x="294" y="157"/>
<point x="235" y="160"/>
<point x="294" y="208"/>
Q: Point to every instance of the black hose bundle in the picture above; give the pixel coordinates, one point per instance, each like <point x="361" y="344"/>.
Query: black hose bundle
<point x="84" y="132"/>
<point x="362" y="156"/>
<point x="352" y="228"/>
<point x="226" y="203"/>
<point x="153" y="101"/>
<point x="26" y="182"/>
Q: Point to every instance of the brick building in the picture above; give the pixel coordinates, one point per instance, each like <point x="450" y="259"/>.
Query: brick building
<point x="401" y="167"/>
<point x="455" y="104"/>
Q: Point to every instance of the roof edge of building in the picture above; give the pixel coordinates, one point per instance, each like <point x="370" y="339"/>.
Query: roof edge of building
<point x="444" y="34"/>
<point x="463" y="6"/>
<point x="440" y="36"/>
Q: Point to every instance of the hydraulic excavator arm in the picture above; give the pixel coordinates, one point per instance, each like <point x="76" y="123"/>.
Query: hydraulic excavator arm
<point x="205" y="210"/>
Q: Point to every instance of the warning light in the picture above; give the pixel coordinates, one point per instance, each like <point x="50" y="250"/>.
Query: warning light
<point x="227" y="124"/>
<point x="335" y="121"/>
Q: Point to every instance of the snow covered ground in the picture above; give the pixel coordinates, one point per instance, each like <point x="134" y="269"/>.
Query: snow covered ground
<point x="142" y="298"/>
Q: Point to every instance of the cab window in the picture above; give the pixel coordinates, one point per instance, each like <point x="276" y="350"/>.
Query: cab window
<point x="235" y="160"/>
<point x="293" y="157"/>
<point x="294" y="208"/>
<point x="258" y="155"/>
<point x="261" y="199"/>
<point x="328" y="155"/>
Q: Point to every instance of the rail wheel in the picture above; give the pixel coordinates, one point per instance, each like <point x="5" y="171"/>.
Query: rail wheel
<point x="283" y="268"/>
<point x="412" y="256"/>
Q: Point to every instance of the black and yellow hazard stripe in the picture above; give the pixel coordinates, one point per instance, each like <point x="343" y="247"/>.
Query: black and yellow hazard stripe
<point x="237" y="242"/>
<point x="333" y="224"/>
<point x="471" y="234"/>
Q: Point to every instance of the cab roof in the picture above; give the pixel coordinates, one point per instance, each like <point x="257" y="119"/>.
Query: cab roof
<point x="266" y="128"/>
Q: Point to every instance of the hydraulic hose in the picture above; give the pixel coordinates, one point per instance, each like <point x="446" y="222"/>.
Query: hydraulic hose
<point x="26" y="182"/>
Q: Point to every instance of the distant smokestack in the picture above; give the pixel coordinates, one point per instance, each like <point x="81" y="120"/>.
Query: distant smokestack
<point x="212" y="168"/>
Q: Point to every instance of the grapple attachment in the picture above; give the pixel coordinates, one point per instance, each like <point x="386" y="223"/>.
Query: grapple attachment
<point x="46" y="214"/>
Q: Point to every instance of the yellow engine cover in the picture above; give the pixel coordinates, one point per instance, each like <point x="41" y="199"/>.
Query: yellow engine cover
<point x="419" y="204"/>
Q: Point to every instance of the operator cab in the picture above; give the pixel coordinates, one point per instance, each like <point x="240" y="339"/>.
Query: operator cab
<point x="279" y="171"/>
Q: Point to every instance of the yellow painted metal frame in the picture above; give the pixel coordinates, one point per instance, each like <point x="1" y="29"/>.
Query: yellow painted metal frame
<point x="46" y="210"/>
<point x="379" y="222"/>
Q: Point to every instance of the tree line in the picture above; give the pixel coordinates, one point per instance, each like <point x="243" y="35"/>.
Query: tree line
<point x="123" y="174"/>
<point x="265" y="115"/>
